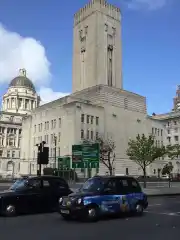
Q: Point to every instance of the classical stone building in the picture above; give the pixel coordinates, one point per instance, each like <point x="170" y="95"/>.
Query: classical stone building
<point x="98" y="104"/>
<point x="19" y="100"/>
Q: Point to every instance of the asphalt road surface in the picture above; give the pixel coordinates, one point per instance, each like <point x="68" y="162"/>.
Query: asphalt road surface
<point x="161" y="221"/>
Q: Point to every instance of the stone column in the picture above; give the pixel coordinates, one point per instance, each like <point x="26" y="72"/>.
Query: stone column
<point x="5" y="138"/>
<point x="17" y="138"/>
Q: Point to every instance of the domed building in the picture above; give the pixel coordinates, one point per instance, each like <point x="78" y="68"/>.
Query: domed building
<point x="19" y="100"/>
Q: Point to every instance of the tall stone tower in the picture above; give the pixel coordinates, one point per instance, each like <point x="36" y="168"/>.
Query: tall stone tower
<point x="97" y="57"/>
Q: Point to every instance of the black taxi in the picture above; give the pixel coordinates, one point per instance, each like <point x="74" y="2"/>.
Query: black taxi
<point x="33" y="194"/>
<point x="104" y="195"/>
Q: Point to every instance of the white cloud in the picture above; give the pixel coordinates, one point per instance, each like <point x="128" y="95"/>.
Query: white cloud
<point x="48" y="95"/>
<point x="146" y="4"/>
<point x="22" y="52"/>
<point x="25" y="52"/>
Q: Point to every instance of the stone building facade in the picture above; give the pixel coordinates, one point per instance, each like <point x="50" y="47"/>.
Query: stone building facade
<point x="19" y="100"/>
<point x="98" y="104"/>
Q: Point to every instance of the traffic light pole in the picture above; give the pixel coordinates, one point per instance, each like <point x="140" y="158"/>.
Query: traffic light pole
<point x="55" y="145"/>
<point x="40" y="150"/>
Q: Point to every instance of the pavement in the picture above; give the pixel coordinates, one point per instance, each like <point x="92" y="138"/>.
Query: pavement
<point x="161" y="221"/>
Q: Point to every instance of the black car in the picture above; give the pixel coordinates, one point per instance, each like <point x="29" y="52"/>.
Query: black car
<point x="33" y="194"/>
<point x="104" y="195"/>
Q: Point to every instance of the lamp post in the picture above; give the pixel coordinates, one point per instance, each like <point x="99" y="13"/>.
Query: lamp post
<point x="55" y="145"/>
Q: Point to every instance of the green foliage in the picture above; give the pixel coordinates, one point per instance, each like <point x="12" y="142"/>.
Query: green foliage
<point x="143" y="150"/>
<point x="173" y="151"/>
<point x="167" y="169"/>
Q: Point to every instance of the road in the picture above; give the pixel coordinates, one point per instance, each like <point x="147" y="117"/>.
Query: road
<point x="160" y="221"/>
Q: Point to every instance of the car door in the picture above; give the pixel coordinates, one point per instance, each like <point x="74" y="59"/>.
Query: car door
<point x="34" y="195"/>
<point x="110" y="199"/>
<point x="123" y="192"/>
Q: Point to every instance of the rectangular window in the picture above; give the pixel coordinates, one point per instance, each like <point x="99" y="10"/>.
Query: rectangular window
<point x="152" y="130"/>
<point x="59" y="137"/>
<point x="82" y="118"/>
<point x="54" y="123"/>
<point x="92" y="135"/>
<point x="13" y="154"/>
<point x="88" y="118"/>
<point x="176" y="130"/>
<point x="97" y="120"/>
<point x="92" y="118"/>
<point x="161" y="132"/>
<point x="82" y="134"/>
<point x="59" y="152"/>
<point x="52" y="138"/>
<point x="8" y="154"/>
<point x="1" y="153"/>
<point x="87" y="134"/>
<point x="175" y="122"/>
<point x="168" y="131"/>
<point x="59" y="122"/>
<point x="176" y="138"/>
<point x="48" y="125"/>
<point x="97" y="135"/>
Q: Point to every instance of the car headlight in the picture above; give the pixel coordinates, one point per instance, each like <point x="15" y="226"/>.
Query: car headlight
<point x="79" y="201"/>
<point x="60" y="200"/>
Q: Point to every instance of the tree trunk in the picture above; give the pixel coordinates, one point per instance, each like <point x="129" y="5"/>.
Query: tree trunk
<point x="144" y="176"/>
<point x="110" y="170"/>
<point x="109" y="164"/>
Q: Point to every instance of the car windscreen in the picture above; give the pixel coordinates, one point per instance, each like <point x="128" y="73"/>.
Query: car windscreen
<point x="19" y="184"/>
<point x="93" y="185"/>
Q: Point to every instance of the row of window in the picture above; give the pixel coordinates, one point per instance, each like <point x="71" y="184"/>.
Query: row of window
<point x="53" y="137"/>
<point x="176" y="139"/>
<point x="157" y="131"/>
<point x="89" y="135"/>
<point x="10" y="130"/>
<point x="11" y="141"/>
<point x="46" y="125"/>
<point x="175" y="130"/>
<point x="9" y="154"/>
<point x="169" y="123"/>
<point x="51" y="152"/>
<point x="89" y="119"/>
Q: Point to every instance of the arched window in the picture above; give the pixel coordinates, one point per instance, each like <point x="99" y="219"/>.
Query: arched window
<point x="10" y="166"/>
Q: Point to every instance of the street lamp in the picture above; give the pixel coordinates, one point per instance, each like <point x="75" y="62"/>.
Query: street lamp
<point x="55" y="145"/>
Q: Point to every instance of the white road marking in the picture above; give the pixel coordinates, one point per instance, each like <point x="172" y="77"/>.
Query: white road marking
<point x="152" y="205"/>
<point x="175" y="214"/>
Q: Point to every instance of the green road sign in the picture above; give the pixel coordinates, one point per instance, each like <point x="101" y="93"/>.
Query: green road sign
<point x="85" y="156"/>
<point x="64" y="162"/>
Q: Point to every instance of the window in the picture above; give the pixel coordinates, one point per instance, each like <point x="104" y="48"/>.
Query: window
<point x="127" y="171"/>
<point x="176" y="138"/>
<point x="48" y="125"/>
<point x="13" y="154"/>
<point x="175" y="122"/>
<point x="92" y="118"/>
<point x="52" y="123"/>
<point x="169" y="139"/>
<point x="46" y="183"/>
<point x="97" y="120"/>
<point x="39" y="127"/>
<point x="59" y="152"/>
<point x="59" y="122"/>
<point x="158" y="132"/>
<point x="161" y="132"/>
<point x="88" y="118"/>
<point x="152" y="130"/>
<point x="168" y="124"/>
<point x="1" y="153"/>
<point x="92" y="135"/>
<point x="59" y="137"/>
<point x="176" y="130"/>
<point x="87" y="134"/>
<point x="8" y="154"/>
<point x="82" y="118"/>
<point x="52" y="138"/>
<point x="82" y="134"/>
<point x="97" y="135"/>
<point x="35" y="183"/>
<point x="45" y="125"/>
<point x="168" y="131"/>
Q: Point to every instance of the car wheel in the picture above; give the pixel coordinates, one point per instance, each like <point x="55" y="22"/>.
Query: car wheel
<point x="139" y="209"/>
<point x="10" y="211"/>
<point x="92" y="213"/>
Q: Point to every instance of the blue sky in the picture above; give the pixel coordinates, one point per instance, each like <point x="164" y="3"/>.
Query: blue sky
<point x="150" y="41"/>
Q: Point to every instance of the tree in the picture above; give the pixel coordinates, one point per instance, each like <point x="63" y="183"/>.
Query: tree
<point x="143" y="152"/>
<point x="107" y="152"/>
<point x="167" y="170"/>
<point x="173" y="151"/>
